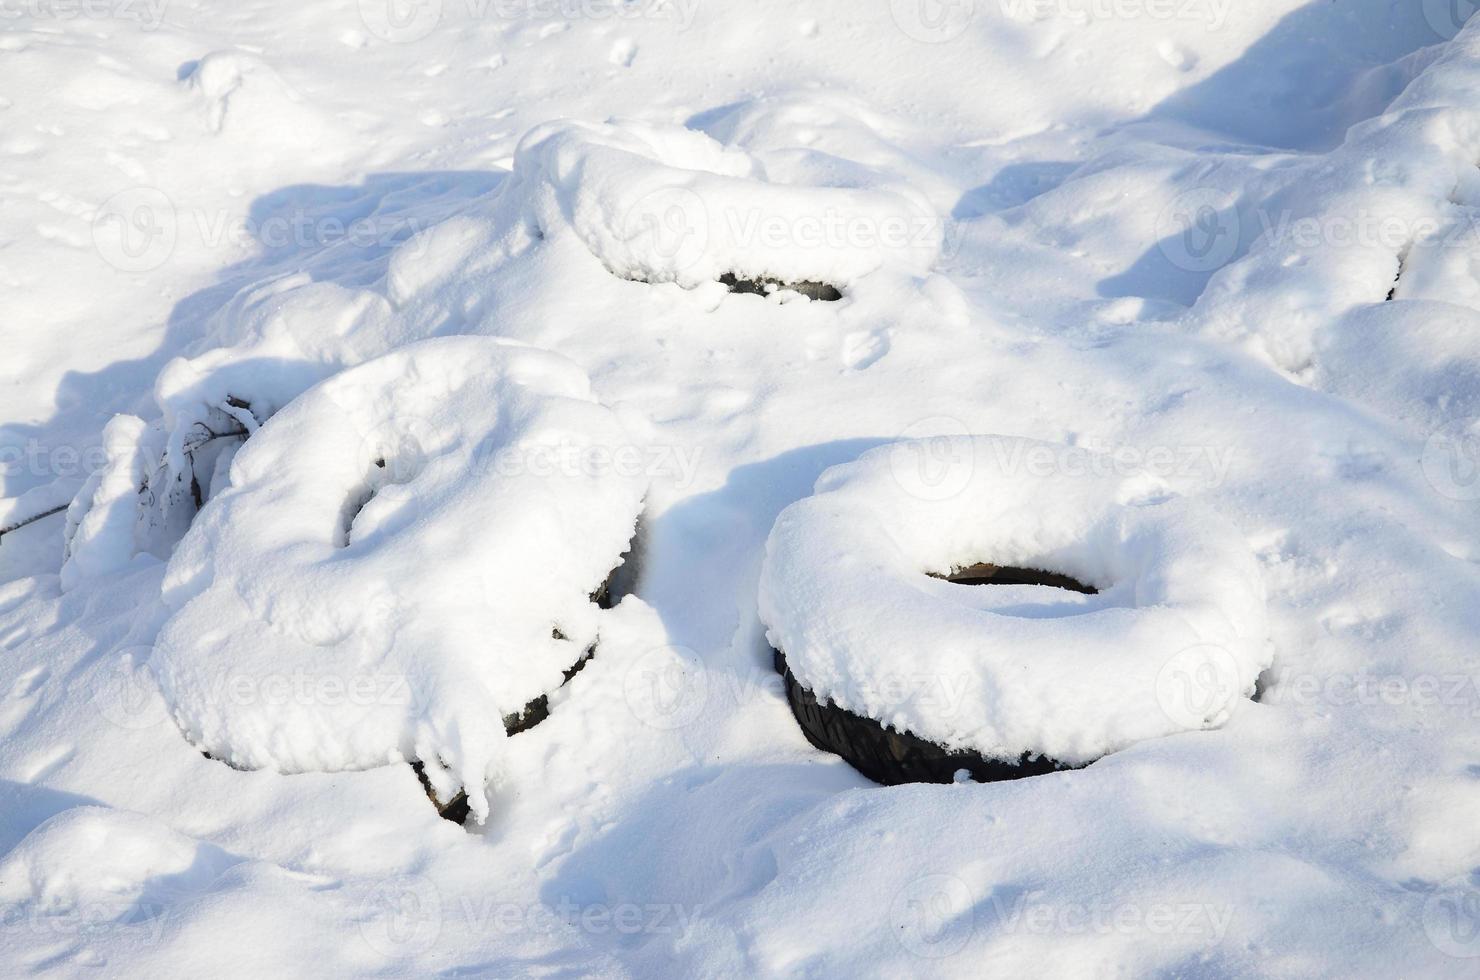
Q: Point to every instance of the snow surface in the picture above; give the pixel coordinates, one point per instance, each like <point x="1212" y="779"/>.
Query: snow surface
<point x="1173" y="639"/>
<point x="1162" y="232"/>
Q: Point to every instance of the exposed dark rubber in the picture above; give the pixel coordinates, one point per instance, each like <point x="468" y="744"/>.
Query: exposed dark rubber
<point x="529" y="716"/>
<point x="822" y="291"/>
<point x="538" y="710"/>
<point x="456" y="810"/>
<point x="891" y="757"/>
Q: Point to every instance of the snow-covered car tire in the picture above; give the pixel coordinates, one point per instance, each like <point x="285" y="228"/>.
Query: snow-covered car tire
<point x="485" y="468"/>
<point x="898" y="660"/>
<point x="891" y="757"/>
<point x="657" y="204"/>
<point x="885" y="755"/>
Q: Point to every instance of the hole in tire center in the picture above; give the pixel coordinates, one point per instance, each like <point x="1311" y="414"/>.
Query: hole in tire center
<point x="385" y="471"/>
<point x="984" y="573"/>
<point x="823" y="292"/>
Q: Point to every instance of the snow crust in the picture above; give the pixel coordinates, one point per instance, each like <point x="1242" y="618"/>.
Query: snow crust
<point x="844" y="594"/>
<point x="295" y="642"/>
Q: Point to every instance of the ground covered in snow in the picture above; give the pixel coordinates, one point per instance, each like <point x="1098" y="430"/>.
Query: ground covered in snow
<point x="351" y="347"/>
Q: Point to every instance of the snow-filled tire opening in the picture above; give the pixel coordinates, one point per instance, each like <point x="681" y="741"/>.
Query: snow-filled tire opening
<point x="891" y="756"/>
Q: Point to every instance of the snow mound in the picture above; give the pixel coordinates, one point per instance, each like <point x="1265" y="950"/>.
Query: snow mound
<point x="244" y="92"/>
<point x="298" y="641"/>
<point x="99" y="865"/>
<point x="1175" y="637"/>
<point x="669" y="204"/>
<point x="1389" y="214"/>
<point x="1394" y="357"/>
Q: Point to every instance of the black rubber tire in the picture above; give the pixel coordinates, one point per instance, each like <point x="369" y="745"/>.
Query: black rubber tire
<point x="891" y="757"/>
<point x="531" y="715"/>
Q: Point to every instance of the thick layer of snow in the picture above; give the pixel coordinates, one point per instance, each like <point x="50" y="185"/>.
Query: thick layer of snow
<point x="1175" y="636"/>
<point x="1389" y="212"/>
<point x="668" y="204"/>
<point x="212" y="205"/>
<point x="124" y="869"/>
<point x="298" y="643"/>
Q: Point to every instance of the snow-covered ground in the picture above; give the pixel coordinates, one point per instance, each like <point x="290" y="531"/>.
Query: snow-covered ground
<point x="1227" y="246"/>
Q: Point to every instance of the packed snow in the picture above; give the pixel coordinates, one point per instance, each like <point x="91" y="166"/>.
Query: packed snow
<point x="366" y="340"/>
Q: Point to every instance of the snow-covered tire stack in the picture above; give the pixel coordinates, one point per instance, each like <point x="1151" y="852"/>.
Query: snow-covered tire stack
<point x="912" y="677"/>
<point x="406" y="555"/>
<point x="667" y="204"/>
